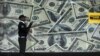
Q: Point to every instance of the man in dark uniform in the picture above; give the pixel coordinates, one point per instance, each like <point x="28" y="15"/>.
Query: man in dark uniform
<point x="22" y="32"/>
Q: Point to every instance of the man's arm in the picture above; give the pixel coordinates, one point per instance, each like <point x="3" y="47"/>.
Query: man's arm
<point x="30" y="25"/>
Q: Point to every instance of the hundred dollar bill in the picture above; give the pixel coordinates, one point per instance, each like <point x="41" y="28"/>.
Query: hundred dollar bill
<point x="13" y="10"/>
<point x="47" y="42"/>
<point x="40" y="17"/>
<point x="55" y="48"/>
<point x="38" y="2"/>
<point x="70" y="22"/>
<point x="19" y="1"/>
<point x="86" y="4"/>
<point x="94" y="2"/>
<point x="54" y="16"/>
<point x="84" y="1"/>
<point x="65" y="16"/>
<point x="85" y="26"/>
<point x="7" y="45"/>
<point x="42" y="44"/>
<point x="66" y="7"/>
<point x="73" y="24"/>
<point x="65" y="27"/>
<point x="64" y="40"/>
<point x="66" y="32"/>
<point x="1" y="31"/>
<point x="36" y="6"/>
<point x="82" y="36"/>
<point x="96" y="8"/>
<point x="15" y="1"/>
<point x="58" y="39"/>
<point x="91" y="29"/>
<point x="96" y="34"/>
<point x="41" y="29"/>
<point x="54" y="5"/>
<point x="97" y="45"/>
<point x="80" y="11"/>
<point x="9" y="27"/>
<point x="31" y="41"/>
<point x="81" y="46"/>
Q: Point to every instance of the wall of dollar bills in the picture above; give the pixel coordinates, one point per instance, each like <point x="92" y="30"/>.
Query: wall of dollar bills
<point x="59" y="25"/>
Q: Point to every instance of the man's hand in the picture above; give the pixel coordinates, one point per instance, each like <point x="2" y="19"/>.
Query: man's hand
<point x="31" y="22"/>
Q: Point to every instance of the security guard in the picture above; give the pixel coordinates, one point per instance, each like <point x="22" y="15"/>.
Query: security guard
<point x="22" y="32"/>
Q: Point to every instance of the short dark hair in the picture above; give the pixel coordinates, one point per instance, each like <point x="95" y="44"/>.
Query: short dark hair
<point x="21" y="16"/>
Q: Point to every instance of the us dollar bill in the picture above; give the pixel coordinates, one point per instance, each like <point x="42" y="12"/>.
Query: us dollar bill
<point x="7" y="45"/>
<point x="20" y="1"/>
<point x="15" y="1"/>
<point x="47" y="42"/>
<point x="97" y="45"/>
<point x="91" y="29"/>
<point x="84" y="26"/>
<point x="13" y="10"/>
<point x="85" y="4"/>
<point x="38" y="2"/>
<point x="36" y="6"/>
<point x="41" y="29"/>
<point x="74" y="24"/>
<point x="64" y="16"/>
<point x="40" y="17"/>
<point x="81" y="46"/>
<point x="54" y="5"/>
<point x="94" y="2"/>
<point x="80" y="11"/>
<point x="31" y="42"/>
<point x="10" y="27"/>
<point x="2" y="30"/>
<point x="42" y="44"/>
<point x="70" y="22"/>
<point x="96" y="8"/>
<point x="55" y="48"/>
<point x="66" y="7"/>
<point x="82" y="36"/>
<point x="96" y="34"/>
<point x="53" y="16"/>
<point x="64" y="40"/>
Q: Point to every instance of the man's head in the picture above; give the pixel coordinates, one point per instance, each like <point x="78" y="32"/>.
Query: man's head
<point x="22" y="18"/>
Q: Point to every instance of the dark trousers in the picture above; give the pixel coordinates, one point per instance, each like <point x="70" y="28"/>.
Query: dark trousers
<point x="22" y="44"/>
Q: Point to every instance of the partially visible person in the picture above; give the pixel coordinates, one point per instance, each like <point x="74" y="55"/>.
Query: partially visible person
<point x="23" y="32"/>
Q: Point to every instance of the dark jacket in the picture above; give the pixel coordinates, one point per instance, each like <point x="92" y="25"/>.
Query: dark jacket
<point x="23" y="29"/>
